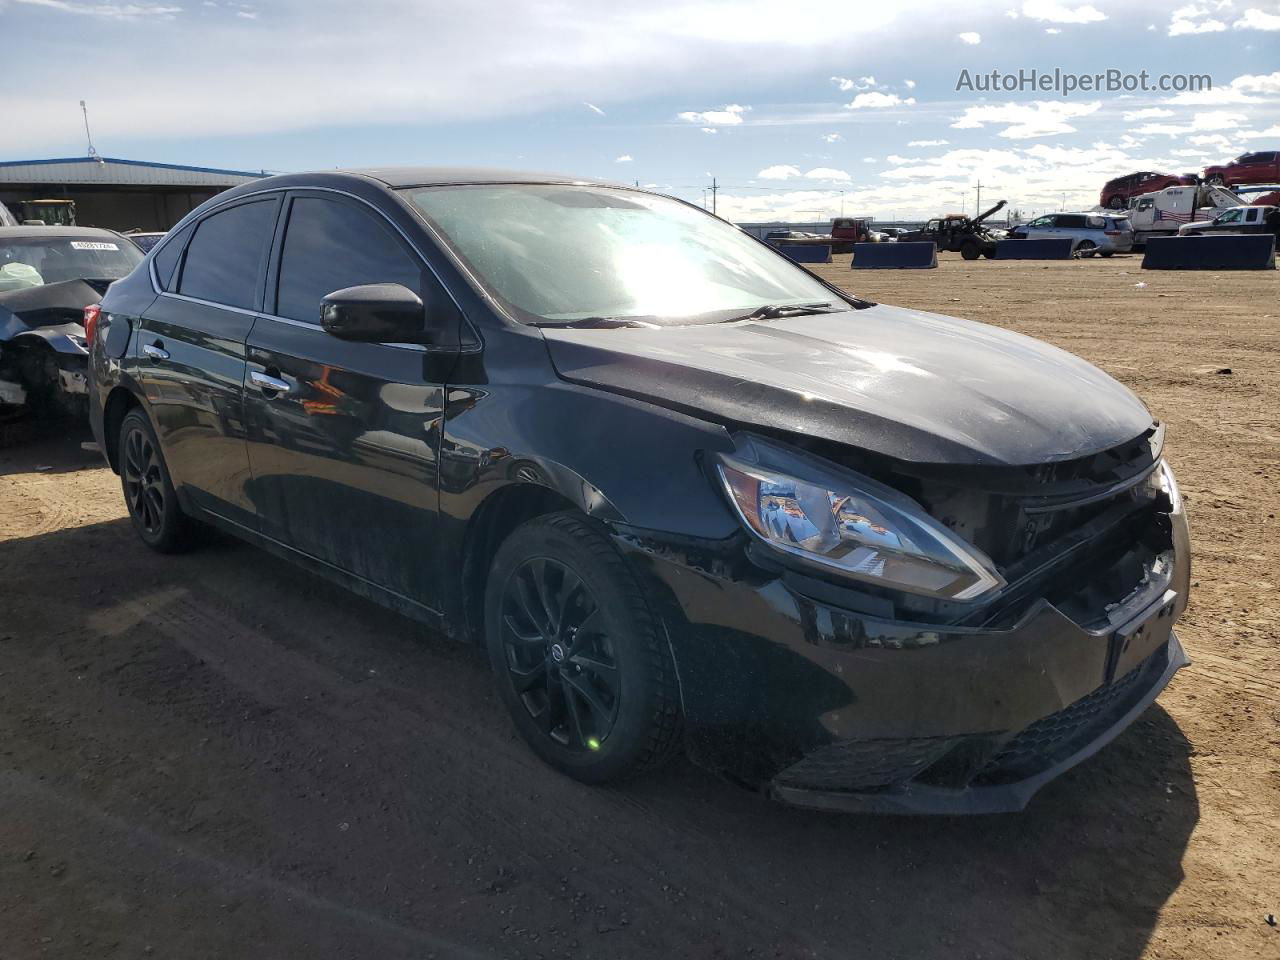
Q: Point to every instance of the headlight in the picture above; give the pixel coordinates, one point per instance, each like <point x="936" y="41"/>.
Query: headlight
<point x="1170" y="486"/>
<point x="851" y="524"/>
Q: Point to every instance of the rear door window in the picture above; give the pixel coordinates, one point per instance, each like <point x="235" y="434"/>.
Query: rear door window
<point x="165" y="262"/>
<point x="225" y="258"/>
<point x="1071" y="220"/>
<point x="330" y="245"/>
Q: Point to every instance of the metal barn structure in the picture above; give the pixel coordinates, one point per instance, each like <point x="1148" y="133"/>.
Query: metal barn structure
<point x="120" y="194"/>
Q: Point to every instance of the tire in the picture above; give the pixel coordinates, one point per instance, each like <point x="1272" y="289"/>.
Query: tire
<point x="1116" y="202"/>
<point x="1086" y="248"/>
<point x="580" y="660"/>
<point x="1107" y="253"/>
<point x="971" y="250"/>
<point x="148" y="492"/>
<point x="1215" y="180"/>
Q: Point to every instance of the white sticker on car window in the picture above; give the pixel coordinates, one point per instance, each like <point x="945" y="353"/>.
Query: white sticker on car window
<point x="92" y="245"/>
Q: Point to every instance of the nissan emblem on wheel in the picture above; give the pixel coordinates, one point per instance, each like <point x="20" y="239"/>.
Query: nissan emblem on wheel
<point x="686" y="495"/>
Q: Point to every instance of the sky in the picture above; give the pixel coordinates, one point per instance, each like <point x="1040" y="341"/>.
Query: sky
<point x="799" y="110"/>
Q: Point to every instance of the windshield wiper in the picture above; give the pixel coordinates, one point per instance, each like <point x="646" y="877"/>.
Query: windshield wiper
<point x="776" y="311"/>
<point x="596" y="323"/>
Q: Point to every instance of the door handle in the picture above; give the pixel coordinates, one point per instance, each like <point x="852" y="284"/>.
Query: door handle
<point x="155" y="351"/>
<point x="269" y="384"/>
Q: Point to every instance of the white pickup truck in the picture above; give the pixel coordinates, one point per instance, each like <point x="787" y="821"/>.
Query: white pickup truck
<point x="1164" y="212"/>
<point x="1241" y="219"/>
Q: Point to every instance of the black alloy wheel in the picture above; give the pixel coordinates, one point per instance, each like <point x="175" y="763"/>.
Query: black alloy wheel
<point x="582" y="663"/>
<point x="560" y="660"/>
<point x="148" y="491"/>
<point x="143" y="482"/>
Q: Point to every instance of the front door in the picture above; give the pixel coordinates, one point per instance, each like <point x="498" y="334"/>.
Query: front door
<point x="191" y="352"/>
<point x="343" y="436"/>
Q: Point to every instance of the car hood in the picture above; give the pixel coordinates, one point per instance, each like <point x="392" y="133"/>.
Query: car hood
<point x="910" y="385"/>
<point x="50" y="305"/>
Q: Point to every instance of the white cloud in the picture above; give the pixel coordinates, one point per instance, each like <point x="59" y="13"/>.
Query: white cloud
<point x="1052" y="31"/>
<point x="860" y="83"/>
<point x="1193" y="19"/>
<point x="1271" y="133"/>
<point x="832" y="137"/>
<point x="909" y="84"/>
<point x="726" y="116"/>
<point x="1258" y="83"/>
<point x="1207" y="121"/>
<point x="969" y="37"/>
<point x="1255" y="19"/>
<point x="593" y="108"/>
<point x="710" y="130"/>
<point x="108" y="11"/>
<point x="1040" y="118"/>
<point x="877" y="100"/>
<point x="868" y="159"/>
<point x="1053" y="12"/>
<point x="1147" y="113"/>
<point x="246" y="15"/>
<point x="625" y="158"/>
<point x="828" y="173"/>
<point x="927" y="143"/>
<point x="1213" y="140"/>
<point x="780" y="171"/>
<point x="1241" y="90"/>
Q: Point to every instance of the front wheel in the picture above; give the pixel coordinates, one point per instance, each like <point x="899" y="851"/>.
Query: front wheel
<point x="971" y="250"/>
<point x="1216" y="180"/>
<point x="1116" y="203"/>
<point x="148" y="491"/>
<point x="1087" y="248"/>
<point x="580" y="660"/>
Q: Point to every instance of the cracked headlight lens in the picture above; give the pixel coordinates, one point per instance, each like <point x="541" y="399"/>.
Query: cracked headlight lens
<point x="858" y="527"/>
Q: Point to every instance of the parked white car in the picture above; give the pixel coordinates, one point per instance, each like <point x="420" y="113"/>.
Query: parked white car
<point x="1090" y="233"/>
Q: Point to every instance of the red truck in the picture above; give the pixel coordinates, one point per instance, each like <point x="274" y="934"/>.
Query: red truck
<point x="1260" y="167"/>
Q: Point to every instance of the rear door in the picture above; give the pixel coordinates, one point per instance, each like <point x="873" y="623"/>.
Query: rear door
<point x="343" y="436"/>
<point x="191" y="351"/>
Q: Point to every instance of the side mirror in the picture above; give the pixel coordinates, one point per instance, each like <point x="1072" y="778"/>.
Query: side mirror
<point x="375" y="313"/>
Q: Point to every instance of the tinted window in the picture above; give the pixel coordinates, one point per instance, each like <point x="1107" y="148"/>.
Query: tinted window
<point x="1071" y="220"/>
<point x="166" y="258"/>
<point x="225" y="255"/>
<point x="330" y="245"/>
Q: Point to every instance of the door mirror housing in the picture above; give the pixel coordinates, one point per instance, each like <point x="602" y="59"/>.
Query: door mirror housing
<point x="375" y="313"/>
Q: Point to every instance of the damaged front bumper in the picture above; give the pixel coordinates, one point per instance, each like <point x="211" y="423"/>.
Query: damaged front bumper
<point x="795" y="691"/>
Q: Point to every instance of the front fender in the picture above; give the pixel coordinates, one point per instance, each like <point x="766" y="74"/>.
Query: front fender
<point x="615" y="458"/>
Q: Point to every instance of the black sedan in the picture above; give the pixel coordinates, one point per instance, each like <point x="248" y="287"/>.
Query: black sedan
<point x="686" y="494"/>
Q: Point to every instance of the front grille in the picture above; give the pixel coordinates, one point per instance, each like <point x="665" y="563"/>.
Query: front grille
<point x="864" y="764"/>
<point x="1057" y="736"/>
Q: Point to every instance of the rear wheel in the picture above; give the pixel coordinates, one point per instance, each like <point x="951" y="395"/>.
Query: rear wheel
<point x="1086" y="248"/>
<point x="971" y="249"/>
<point x="1107" y="253"/>
<point x="581" y="662"/>
<point x="148" y="491"/>
<point x="1216" y="180"/>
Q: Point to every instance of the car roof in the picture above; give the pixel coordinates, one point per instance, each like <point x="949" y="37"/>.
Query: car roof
<point x="431" y="176"/>
<point x="55" y="232"/>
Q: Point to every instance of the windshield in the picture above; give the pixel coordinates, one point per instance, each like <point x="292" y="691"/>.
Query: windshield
<point x="559" y="254"/>
<point x="35" y="261"/>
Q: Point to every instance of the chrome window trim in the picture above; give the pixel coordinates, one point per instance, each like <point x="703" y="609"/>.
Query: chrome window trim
<point x="284" y="191"/>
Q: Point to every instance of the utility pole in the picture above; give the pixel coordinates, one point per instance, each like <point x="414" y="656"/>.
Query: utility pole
<point x="978" y="203"/>
<point x="715" y="188"/>
<point x="93" y="154"/>
<point x="704" y="198"/>
<point x="842" y="203"/>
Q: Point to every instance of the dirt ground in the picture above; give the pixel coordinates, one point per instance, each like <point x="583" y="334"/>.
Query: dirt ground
<point x="218" y="755"/>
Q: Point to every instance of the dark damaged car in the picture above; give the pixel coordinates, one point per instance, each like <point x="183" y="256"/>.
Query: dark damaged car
<point x="685" y="494"/>
<point x="48" y="276"/>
